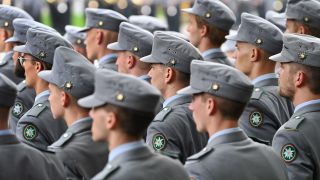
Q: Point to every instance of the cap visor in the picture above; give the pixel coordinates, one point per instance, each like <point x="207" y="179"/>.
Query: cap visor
<point x="90" y="102"/>
<point x="12" y="39"/>
<point x="21" y="49"/>
<point x="115" y="46"/>
<point x="149" y="59"/>
<point x="279" y="58"/>
<point x="233" y="37"/>
<point x="47" y="76"/>
<point x="189" y="91"/>
<point x="84" y="29"/>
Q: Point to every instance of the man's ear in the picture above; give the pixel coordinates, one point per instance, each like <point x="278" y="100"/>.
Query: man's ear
<point x="254" y="54"/>
<point x="211" y="106"/>
<point x="111" y="120"/>
<point x="203" y="30"/>
<point x="299" y="79"/>
<point x="169" y="74"/>
<point x="99" y="37"/>
<point x="65" y="99"/>
<point x="302" y="29"/>
<point x="131" y="61"/>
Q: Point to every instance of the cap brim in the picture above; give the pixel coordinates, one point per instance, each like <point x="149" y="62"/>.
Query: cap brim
<point x="12" y="39"/>
<point x="90" y="102"/>
<point x="149" y="59"/>
<point x="233" y="37"/>
<point x="21" y="49"/>
<point x="115" y="46"/>
<point x="84" y="29"/>
<point x="47" y="76"/>
<point x="279" y="58"/>
<point x="188" y="91"/>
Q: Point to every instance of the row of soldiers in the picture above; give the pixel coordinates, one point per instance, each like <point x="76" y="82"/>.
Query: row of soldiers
<point x="174" y="101"/>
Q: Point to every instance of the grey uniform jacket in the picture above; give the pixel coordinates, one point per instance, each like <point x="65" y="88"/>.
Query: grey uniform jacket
<point x="21" y="162"/>
<point x="7" y="68"/>
<point x="82" y="158"/>
<point x="24" y="101"/>
<point x="218" y="57"/>
<point x="37" y="127"/>
<point x="265" y="112"/>
<point x="297" y="143"/>
<point x="109" y="64"/>
<point x="234" y="156"/>
<point x="176" y="131"/>
<point x="142" y="164"/>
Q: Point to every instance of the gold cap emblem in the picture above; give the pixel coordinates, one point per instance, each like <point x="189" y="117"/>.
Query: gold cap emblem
<point x="306" y="19"/>
<point x="173" y="62"/>
<point x="6" y="24"/>
<point x="135" y="49"/>
<point x="207" y="15"/>
<point x="302" y="55"/>
<point x="42" y="55"/>
<point x="79" y="41"/>
<point x="68" y="85"/>
<point x="120" y="97"/>
<point x="100" y="23"/>
<point x="215" y="87"/>
<point x="259" y="41"/>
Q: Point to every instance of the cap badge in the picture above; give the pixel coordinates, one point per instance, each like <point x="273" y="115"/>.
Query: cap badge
<point x="119" y="97"/>
<point x="207" y="15"/>
<point x="302" y="55"/>
<point x="68" y="85"/>
<point x="215" y="87"/>
<point x="79" y="41"/>
<point x="42" y="55"/>
<point x="306" y="19"/>
<point x="135" y="49"/>
<point x="173" y="62"/>
<point x="100" y="23"/>
<point x="258" y="41"/>
<point x="6" y="24"/>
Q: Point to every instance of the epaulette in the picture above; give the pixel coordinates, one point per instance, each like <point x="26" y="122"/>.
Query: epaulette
<point x="162" y="114"/>
<point x="294" y="123"/>
<point x="36" y="110"/>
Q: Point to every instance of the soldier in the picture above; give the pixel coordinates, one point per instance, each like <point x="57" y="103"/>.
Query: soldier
<point x="220" y="94"/>
<point x="25" y="96"/>
<point x="37" y="127"/>
<point x="303" y="17"/>
<point x="122" y="108"/>
<point x="76" y="38"/>
<point x="148" y="23"/>
<point x="258" y="39"/>
<point x="173" y="132"/>
<point x="278" y="19"/>
<point x="7" y="15"/>
<point x="297" y="141"/>
<point x="133" y="43"/>
<point x="209" y="23"/>
<point x="102" y="27"/>
<point x="71" y="78"/>
<point x="19" y="161"/>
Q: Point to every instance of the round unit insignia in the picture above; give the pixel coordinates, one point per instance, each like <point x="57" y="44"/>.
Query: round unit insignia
<point x="30" y="132"/>
<point x="159" y="142"/>
<point x="288" y="153"/>
<point x="256" y="119"/>
<point x="17" y="109"/>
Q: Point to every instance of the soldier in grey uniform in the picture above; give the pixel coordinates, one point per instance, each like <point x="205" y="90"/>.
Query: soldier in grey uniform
<point x="220" y="93"/>
<point x="258" y="39"/>
<point x="37" y="127"/>
<point x="209" y="23"/>
<point x="303" y="17"/>
<point x="133" y="43"/>
<point x="76" y="38"/>
<point x="297" y="141"/>
<point x="19" y="161"/>
<point x="173" y="131"/>
<point x="148" y="23"/>
<point x="7" y="15"/>
<point x="122" y="108"/>
<point x="25" y="96"/>
<point x="71" y="78"/>
<point x="102" y="27"/>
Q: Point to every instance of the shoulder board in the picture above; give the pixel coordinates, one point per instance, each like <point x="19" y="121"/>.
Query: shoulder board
<point x="201" y="154"/>
<point x="107" y="171"/>
<point x="162" y="114"/>
<point x="36" y="110"/>
<point x="260" y="141"/>
<point x="62" y="140"/>
<point x="21" y="86"/>
<point x="257" y="93"/>
<point x="294" y="123"/>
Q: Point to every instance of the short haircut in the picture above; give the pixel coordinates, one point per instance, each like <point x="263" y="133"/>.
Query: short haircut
<point x="215" y="34"/>
<point x="312" y="76"/>
<point x="310" y="30"/>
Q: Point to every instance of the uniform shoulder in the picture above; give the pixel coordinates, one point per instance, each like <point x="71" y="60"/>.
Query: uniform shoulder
<point x="36" y="110"/>
<point x="294" y="123"/>
<point x="21" y="86"/>
<point x="162" y="114"/>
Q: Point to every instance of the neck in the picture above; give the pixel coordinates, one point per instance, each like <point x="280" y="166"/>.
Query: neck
<point x="103" y="51"/>
<point x="217" y="123"/>
<point x="41" y="86"/>
<point x="137" y="72"/>
<point x="205" y="44"/>
<point x="118" y="138"/>
<point x="172" y="89"/>
<point x="304" y="95"/>
<point x="74" y="113"/>
<point x="4" y="118"/>
<point x="260" y="68"/>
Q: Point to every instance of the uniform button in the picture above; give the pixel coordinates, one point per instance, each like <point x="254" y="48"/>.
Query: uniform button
<point x="204" y="149"/>
<point x="297" y="117"/>
<point x="109" y="166"/>
<point x="257" y="89"/>
<point x="65" y="135"/>
<point x="40" y="105"/>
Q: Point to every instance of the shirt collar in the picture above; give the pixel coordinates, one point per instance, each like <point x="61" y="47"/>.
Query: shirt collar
<point x="124" y="148"/>
<point x="107" y="57"/>
<point x="264" y="77"/>
<point x="42" y="94"/>
<point x="223" y="132"/>
<point x="210" y="51"/>
<point x="144" y="77"/>
<point x="316" y="101"/>
<point x="81" y="120"/>
<point x="5" y="132"/>
<point x="170" y="99"/>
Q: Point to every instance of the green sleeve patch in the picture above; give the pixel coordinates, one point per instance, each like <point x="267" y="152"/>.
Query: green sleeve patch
<point x="256" y="119"/>
<point x="159" y="142"/>
<point x="288" y="153"/>
<point x="30" y="132"/>
<point x="17" y="109"/>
